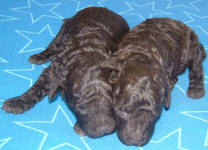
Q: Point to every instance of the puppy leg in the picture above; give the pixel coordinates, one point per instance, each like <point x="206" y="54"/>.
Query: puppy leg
<point x="44" y="56"/>
<point x="27" y="100"/>
<point x="196" y="75"/>
<point x="51" y="51"/>
<point x="58" y="44"/>
<point x="167" y="101"/>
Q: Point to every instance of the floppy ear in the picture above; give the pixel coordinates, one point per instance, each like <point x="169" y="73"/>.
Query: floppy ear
<point x="53" y="91"/>
<point x="167" y="100"/>
<point x="60" y="86"/>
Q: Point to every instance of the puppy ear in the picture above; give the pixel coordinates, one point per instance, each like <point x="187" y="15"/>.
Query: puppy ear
<point x="61" y="86"/>
<point x="167" y="100"/>
<point x="53" y="91"/>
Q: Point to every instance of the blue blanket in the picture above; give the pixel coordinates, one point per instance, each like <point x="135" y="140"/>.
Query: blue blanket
<point x="27" y="27"/>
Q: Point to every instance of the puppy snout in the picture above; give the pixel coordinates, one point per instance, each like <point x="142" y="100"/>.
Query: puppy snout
<point x="103" y="130"/>
<point x="137" y="130"/>
<point x="97" y="130"/>
<point x="136" y="139"/>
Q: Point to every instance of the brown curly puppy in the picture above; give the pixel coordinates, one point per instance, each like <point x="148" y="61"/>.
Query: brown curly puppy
<point x="82" y="44"/>
<point x="149" y="59"/>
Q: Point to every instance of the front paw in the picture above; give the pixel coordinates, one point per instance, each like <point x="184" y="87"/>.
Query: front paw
<point x="36" y="59"/>
<point x="78" y="130"/>
<point x="195" y="92"/>
<point x="15" y="105"/>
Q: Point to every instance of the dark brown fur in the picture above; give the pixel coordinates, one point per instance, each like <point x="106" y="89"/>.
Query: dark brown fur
<point x="82" y="44"/>
<point x="149" y="59"/>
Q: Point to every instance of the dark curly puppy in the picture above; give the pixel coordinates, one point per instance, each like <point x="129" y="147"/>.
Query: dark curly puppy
<point x="149" y="59"/>
<point x="82" y="44"/>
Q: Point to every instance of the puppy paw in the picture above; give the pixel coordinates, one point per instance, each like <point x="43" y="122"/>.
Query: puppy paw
<point x="78" y="130"/>
<point x="195" y="92"/>
<point x="15" y="105"/>
<point x="36" y="59"/>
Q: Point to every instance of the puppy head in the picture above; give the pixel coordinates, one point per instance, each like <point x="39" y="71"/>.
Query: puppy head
<point x="139" y="96"/>
<point x="94" y="109"/>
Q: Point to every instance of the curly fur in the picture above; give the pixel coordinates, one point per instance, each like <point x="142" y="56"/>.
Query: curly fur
<point x="82" y="44"/>
<point x="148" y="61"/>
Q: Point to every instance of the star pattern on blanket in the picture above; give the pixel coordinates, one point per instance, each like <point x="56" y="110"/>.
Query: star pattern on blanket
<point x="70" y="146"/>
<point x="20" y="73"/>
<point x="194" y="22"/>
<point x="4" y="141"/>
<point x="144" y="11"/>
<point x="180" y="88"/>
<point x="2" y="60"/>
<point x="206" y="79"/>
<point x="183" y="3"/>
<point x="5" y="18"/>
<point x="60" y="122"/>
<point x="87" y="3"/>
<point x="45" y="10"/>
<point x="35" y="39"/>
<point x="199" y="115"/>
<point x="206" y="140"/>
<point x="193" y="17"/>
<point x="167" y="140"/>
<point x="112" y="5"/>
<point x="176" y="133"/>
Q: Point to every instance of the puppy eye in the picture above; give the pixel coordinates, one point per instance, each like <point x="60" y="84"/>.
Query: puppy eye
<point x="113" y="76"/>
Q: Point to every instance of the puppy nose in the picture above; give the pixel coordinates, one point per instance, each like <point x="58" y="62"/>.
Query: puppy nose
<point x="100" y="130"/>
<point x="104" y="130"/>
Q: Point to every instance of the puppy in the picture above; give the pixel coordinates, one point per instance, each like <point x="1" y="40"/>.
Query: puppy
<point x="149" y="59"/>
<point x="82" y="44"/>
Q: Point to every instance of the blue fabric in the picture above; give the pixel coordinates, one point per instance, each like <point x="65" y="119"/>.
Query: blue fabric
<point x="27" y="27"/>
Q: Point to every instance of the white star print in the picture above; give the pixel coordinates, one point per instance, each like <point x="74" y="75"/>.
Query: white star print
<point x="193" y="23"/>
<point x="206" y="139"/>
<point x="4" y="141"/>
<point x="13" y="72"/>
<point x="180" y="88"/>
<point x="177" y="131"/>
<point x="206" y="79"/>
<point x="193" y="114"/>
<point x="182" y="3"/>
<point x="143" y="11"/>
<point x="70" y="145"/>
<point x="28" y="125"/>
<point x="5" y="18"/>
<point x="87" y="3"/>
<point x="2" y="60"/>
<point x="37" y="39"/>
<point x="32" y="3"/>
